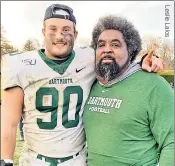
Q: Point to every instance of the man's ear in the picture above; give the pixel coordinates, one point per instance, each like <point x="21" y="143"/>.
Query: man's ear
<point x="75" y="35"/>
<point x="43" y="31"/>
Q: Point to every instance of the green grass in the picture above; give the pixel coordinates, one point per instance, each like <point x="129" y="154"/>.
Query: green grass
<point x="167" y="73"/>
<point x="18" y="149"/>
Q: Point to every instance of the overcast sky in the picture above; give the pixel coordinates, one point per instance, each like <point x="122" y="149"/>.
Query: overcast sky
<point x="24" y="20"/>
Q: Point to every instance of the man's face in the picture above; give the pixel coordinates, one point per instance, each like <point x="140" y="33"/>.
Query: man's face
<point x="59" y="37"/>
<point x="111" y="54"/>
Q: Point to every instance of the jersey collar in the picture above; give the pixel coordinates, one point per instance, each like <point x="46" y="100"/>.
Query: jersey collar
<point x="59" y="68"/>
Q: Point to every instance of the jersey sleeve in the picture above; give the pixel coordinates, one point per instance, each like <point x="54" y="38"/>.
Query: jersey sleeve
<point x="162" y="121"/>
<point x="9" y="72"/>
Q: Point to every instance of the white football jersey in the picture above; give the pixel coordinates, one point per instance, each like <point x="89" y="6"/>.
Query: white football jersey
<point x="54" y="98"/>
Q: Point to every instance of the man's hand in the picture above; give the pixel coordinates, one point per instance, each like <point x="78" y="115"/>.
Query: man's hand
<point x="152" y="63"/>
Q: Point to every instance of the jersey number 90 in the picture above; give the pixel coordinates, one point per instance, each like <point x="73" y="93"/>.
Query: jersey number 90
<point x="54" y="94"/>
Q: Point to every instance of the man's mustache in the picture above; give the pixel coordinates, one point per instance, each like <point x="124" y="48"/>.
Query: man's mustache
<point x="107" y="57"/>
<point x="65" y="39"/>
<point x="59" y="42"/>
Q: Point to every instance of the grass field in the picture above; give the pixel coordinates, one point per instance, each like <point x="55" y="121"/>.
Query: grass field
<point x="18" y="150"/>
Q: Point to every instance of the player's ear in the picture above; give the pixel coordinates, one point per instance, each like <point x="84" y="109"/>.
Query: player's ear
<point x="43" y="29"/>
<point x="75" y="35"/>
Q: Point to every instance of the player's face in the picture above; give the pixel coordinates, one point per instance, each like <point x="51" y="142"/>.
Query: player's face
<point x="111" y="55"/>
<point x="59" y="37"/>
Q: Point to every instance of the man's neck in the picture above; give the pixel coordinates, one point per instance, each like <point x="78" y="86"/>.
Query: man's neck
<point x="123" y="70"/>
<point x="55" y="58"/>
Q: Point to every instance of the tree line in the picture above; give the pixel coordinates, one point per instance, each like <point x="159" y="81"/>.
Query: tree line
<point x="163" y="48"/>
<point x="6" y="47"/>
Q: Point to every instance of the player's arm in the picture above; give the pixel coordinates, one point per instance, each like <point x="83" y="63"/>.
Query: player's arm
<point x="11" y="111"/>
<point x="162" y="121"/>
<point x="11" y="103"/>
<point x="151" y="63"/>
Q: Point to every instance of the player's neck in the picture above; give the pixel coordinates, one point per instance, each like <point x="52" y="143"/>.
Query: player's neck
<point x="50" y="56"/>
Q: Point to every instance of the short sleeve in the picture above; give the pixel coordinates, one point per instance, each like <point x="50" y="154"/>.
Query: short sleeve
<point x="9" y="72"/>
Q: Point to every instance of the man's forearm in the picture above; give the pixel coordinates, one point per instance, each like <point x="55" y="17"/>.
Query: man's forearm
<point x="8" y="142"/>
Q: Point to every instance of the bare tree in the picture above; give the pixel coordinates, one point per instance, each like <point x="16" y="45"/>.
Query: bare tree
<point x="149" y="42"/>
<point x="6" y="47"/>
<point x="162" y="48"/>
<point x="2" y="33"/>
<point x="31" y="44"/>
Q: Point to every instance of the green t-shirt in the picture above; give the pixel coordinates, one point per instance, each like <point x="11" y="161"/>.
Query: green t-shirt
<point x="131" y="122"/>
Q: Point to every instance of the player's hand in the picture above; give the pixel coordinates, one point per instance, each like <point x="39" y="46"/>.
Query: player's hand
<point x="152" y="63"/>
